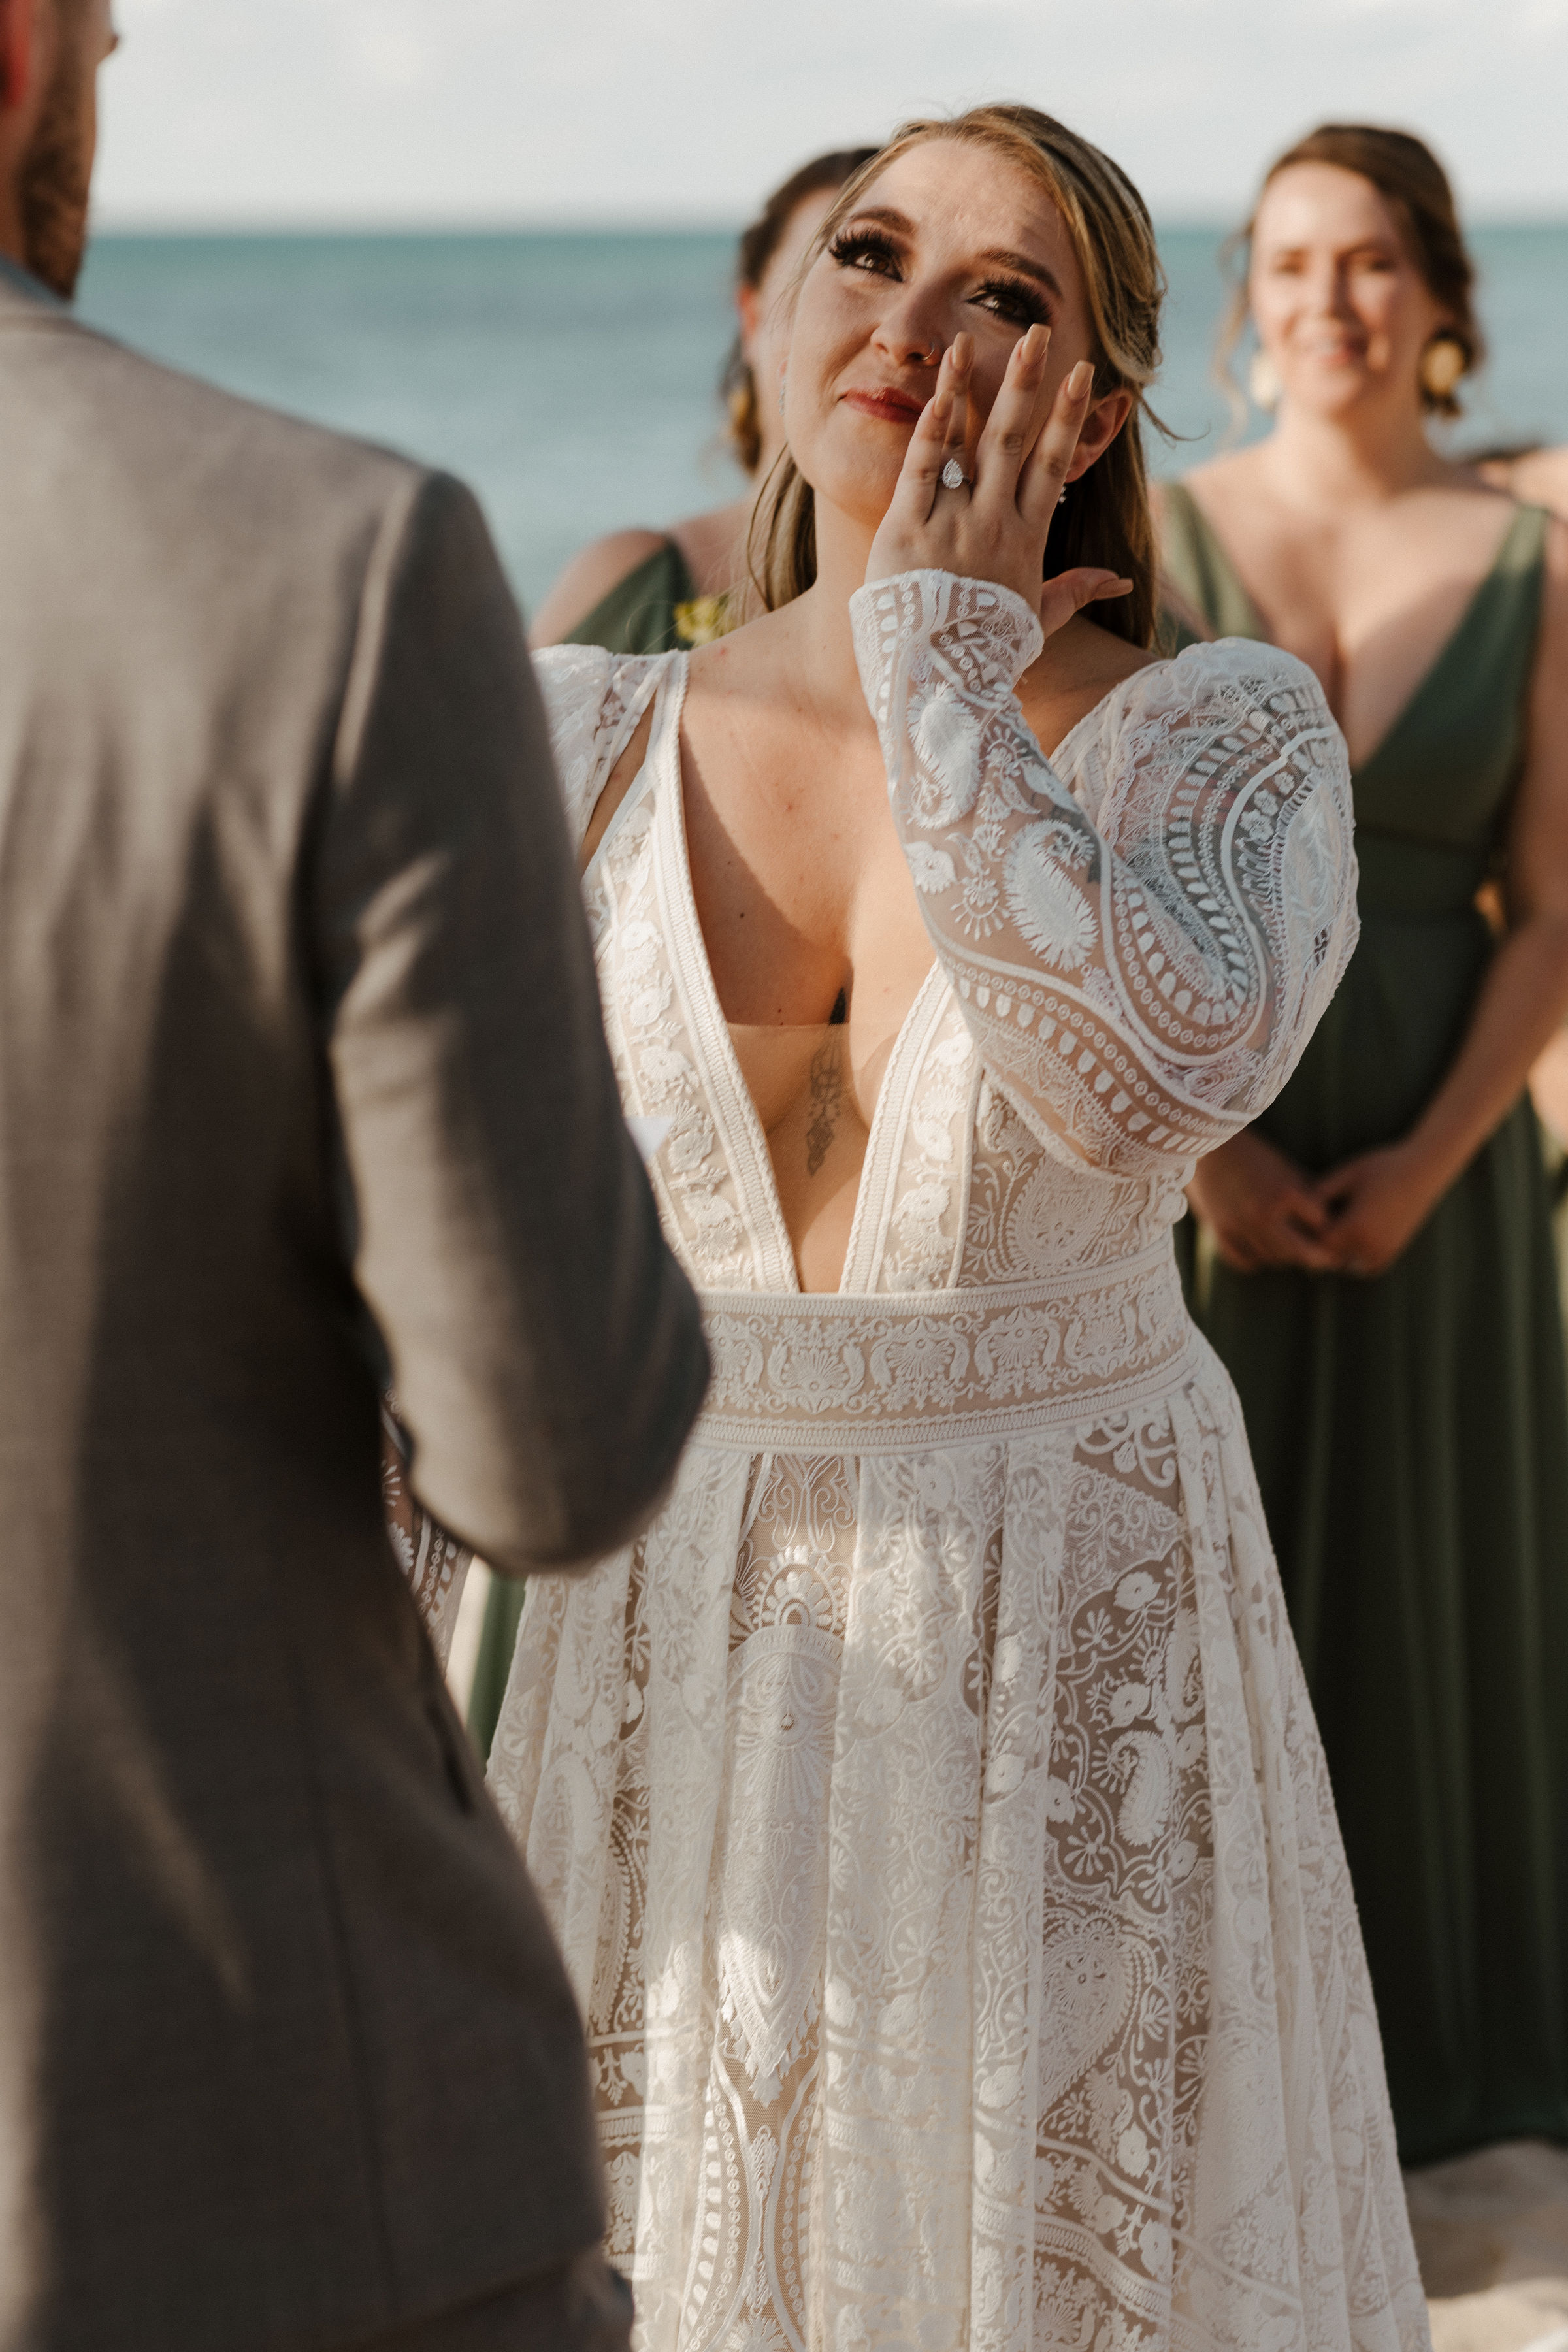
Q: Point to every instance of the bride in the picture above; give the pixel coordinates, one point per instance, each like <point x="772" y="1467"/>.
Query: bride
<point x="929" y="1805"/>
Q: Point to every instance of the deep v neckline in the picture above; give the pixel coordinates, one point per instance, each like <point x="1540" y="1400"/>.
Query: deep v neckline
<point x="1411" y="706"/>
<point x="731" y="1096"/>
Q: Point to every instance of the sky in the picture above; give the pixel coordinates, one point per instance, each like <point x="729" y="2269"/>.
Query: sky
<point x="410" y="111"/>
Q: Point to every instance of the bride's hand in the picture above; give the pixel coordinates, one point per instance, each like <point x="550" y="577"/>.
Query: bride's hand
<point x="993" y="525"/>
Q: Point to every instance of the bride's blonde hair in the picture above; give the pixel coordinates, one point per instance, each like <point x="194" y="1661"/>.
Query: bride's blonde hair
<point x="1106" y="519"/>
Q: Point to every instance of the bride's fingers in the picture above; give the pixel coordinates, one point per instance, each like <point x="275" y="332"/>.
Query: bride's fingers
<point x="1053" y="453"/>
<point x="967" y="406"/>
<point x="921" y="473"/>
<point x="957" y="363"/>
<point x="1014" y="420"/>
<point x="1069" y="592"/>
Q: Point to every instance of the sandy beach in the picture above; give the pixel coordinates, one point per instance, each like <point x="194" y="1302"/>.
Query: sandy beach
<point x="1491" y="2232"/>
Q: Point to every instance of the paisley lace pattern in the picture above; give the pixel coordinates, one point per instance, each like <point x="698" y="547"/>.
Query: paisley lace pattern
<point x="929" y="1805"/>
<point x="1142" y="965"/>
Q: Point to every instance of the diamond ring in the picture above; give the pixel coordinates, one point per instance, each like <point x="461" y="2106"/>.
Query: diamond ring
<point x="952" y="476"/>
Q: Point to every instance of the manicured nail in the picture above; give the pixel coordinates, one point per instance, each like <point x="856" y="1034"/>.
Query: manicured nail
<point x="1081" y="379"/>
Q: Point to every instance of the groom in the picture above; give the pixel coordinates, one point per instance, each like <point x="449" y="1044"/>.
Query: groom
<point x="302" y="1085"/>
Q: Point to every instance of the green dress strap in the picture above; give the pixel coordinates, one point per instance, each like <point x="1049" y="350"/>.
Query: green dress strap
<point x="639" y="613"/>
<point x="1196" y="565"/>
<point x="655" y="610"/>
<point x="1467" y="719"/>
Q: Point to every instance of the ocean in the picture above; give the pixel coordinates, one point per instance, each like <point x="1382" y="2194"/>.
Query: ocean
<point x="570" y="376"/>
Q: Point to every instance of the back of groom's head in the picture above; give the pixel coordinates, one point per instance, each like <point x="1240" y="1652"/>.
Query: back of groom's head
<point x="50" y="51"/>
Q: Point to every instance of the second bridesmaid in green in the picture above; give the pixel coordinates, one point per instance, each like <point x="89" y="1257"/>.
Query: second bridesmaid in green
<point x="1375" y="1261"/>
<point x="651" y="591"/>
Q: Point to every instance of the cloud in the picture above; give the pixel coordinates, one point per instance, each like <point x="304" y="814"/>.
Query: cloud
<point x="390" y="57"/>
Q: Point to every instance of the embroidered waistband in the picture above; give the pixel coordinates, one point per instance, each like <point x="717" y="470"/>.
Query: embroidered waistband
<point x="822" y="1373"/>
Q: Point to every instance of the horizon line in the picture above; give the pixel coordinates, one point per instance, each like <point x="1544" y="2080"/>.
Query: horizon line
<point x="1207" y="216"/>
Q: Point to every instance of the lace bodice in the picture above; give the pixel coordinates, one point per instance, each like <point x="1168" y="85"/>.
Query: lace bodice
<point x="1133" y="939"/>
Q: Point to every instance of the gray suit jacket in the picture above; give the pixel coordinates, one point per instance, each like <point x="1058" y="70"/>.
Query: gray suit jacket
<point x="300" y="1046"/>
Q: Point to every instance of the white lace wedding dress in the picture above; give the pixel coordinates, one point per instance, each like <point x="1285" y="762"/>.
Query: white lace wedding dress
<point x="929" y="1805"/>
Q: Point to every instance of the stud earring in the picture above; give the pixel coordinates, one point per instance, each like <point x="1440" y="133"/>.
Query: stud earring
<point x="1263" y="381"/>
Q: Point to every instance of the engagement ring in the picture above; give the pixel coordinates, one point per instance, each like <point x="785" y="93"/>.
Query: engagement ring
<point x="952" y="474"/>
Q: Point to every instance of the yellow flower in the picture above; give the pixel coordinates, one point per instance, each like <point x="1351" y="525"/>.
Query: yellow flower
<point x="701" y="619"/>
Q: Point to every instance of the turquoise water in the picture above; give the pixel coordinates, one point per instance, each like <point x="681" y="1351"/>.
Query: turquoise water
<point x="569" y="376"/>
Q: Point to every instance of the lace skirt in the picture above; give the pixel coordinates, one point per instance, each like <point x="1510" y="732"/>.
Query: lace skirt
<point x="934" y="1822"/>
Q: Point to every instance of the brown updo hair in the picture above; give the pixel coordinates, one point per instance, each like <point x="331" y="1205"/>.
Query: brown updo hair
<point x="737" y="386"/>
<point x="1106" y="519"/>
<point x="1411" y="181"/>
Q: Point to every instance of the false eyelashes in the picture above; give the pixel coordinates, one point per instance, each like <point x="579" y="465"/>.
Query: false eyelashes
<point x="872" y="250"/>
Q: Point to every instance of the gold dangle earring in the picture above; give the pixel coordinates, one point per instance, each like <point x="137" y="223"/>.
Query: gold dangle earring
<point x="1442" y="363"/>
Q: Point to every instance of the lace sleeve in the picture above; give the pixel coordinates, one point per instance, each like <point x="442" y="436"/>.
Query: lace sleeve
<point x="1141" y="964"/>
<point x="594" y="700"/>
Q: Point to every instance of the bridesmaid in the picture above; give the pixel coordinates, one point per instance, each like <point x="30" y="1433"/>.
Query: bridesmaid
<point x="1375" y="1261"/>
<point x="645" y="591"/>
<point x="649" y="592"/>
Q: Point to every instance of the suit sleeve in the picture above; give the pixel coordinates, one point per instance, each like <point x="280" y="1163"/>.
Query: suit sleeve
<point x="545" y="1349"/>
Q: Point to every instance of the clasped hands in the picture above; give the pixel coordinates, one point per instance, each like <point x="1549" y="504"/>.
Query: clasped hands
<point x="1264" y="1211"/>
<point x="1013" y="462"/>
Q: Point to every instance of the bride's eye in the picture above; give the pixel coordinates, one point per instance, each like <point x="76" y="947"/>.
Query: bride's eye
<point x="1013" y="300"/>
<point x="868" y="249"/>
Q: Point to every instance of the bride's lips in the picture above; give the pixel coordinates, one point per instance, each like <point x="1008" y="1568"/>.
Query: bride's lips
<point x="891" y="407"/>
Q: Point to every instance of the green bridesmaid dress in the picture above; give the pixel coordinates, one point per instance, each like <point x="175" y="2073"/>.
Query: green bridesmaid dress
<point x="653" y="610"/>
<point x="1411" y="1432"/>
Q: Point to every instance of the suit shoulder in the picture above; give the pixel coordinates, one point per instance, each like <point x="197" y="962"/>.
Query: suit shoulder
<point x="136" y="419"/>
